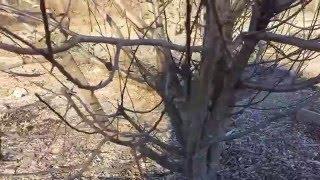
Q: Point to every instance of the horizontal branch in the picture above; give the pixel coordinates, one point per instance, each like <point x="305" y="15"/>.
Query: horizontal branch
<point x="283" y="88"/>
<point x="313" y="45"/>
<point x="73" y="41"/>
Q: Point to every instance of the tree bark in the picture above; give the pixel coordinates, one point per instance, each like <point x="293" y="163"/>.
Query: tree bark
<point x="206" y="114"/>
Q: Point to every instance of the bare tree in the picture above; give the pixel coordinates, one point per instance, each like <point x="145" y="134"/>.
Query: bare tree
<point x="197" y="94"/>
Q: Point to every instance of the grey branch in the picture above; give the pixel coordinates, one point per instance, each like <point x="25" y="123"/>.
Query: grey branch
<point x="75" y="40"/>
<point x="313" y="44"/>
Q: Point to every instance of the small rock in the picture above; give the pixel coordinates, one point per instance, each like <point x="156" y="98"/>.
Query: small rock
<point x="19" y="92"/>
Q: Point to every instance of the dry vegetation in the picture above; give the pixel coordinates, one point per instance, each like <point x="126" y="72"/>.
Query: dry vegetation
<point x="90" y="128"/>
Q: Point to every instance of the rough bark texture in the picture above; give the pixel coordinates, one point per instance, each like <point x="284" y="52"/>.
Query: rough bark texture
<point x="206" y="113"/>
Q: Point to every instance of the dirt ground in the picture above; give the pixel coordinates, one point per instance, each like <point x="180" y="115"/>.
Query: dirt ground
<point x="37" y="145"/>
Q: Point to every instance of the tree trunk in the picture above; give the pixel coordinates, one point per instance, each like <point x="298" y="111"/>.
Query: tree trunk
<point x="206" y="113"/>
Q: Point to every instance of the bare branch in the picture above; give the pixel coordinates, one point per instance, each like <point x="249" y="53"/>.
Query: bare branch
<point x="61" y="117"/>
<point x="313" y="44"/>
<point x="163" y="160"/>
<point x="284" y="88"/>
<point x="75" y="40"/>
